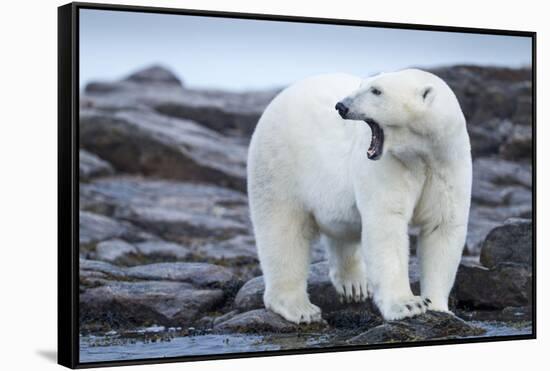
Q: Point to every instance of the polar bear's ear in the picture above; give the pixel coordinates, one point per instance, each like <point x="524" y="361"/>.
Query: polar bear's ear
<point x="428" y="94"/>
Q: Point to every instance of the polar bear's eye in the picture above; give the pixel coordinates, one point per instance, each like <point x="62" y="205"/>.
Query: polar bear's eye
<point x="375" y="91"/>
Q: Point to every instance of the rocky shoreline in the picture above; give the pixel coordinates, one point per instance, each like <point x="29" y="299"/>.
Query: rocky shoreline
<point x="166" y="240"/>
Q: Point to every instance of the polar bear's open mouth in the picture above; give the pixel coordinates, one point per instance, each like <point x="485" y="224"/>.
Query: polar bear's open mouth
<point x="377" y="141"/>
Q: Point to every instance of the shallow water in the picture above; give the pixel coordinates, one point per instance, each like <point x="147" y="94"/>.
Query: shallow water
<point x="114" y="347"/>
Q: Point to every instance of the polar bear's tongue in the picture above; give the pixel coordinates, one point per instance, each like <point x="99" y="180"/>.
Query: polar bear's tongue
<point x="377" y="141"/>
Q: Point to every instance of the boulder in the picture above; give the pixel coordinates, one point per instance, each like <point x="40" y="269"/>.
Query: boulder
<point x="95" y="228"/>
<point x="428" y="326"/>
<point x="158" y="89"/>
<point x="187" y="213"/>
<point x="510" y="242"/>
<point x="154" y="75"/>
<point x="237" y="250"/>
<point x="504" y="285"/>
<point x="503" y="172"/>
<point x="91" y="166"/>
<point x="259" y="321"/>
<point x="519" y="144"/>
<point x="180" y="225"/>
<point x="198" y="274"/>
<point x="114" y="250"/>
<point x="141" y="141"/>
<point x="120" y="304"/>
<point x="162" y="250"/>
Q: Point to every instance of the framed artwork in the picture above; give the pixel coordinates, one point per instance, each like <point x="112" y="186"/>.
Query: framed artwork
<point x="241" y="185"/>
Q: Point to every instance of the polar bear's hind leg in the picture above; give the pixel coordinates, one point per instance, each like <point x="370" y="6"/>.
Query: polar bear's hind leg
<point x="283" y="237"/>
<point x="347" y="269"/>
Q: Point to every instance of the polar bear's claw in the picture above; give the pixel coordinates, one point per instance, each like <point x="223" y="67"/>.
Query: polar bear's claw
<point x="403" y="308"/>
<point x="351" y="287"/>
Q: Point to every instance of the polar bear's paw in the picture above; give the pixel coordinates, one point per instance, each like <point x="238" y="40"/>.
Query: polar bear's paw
<point x="351" y="289"/>
<point x="405" y="307"/>
<point x="351" y="284"/>
<point x="294" y="309"/>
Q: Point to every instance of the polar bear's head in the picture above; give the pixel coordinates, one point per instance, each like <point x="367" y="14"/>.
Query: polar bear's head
<point x="406" y="111"/>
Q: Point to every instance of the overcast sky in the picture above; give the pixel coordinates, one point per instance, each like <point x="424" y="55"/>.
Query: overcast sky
<point x="247" y="54"/>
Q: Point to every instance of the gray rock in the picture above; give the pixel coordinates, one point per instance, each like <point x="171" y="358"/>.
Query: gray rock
<point x="486" y="139"/>
<point x="502" y="172"/>
<point x="191" y="214"/>
<point x="256" y="321"/>
<point x="431" y="325"/>
<point x="94" y="228"/>
<point x="231" y="113"/>
<point x="519" y="144"/>
<point x="129" y="304"/>
<point x="484" y="219"/>
<point x="114" y="250"/>
<point x="154" y="75"/>
<point x="151" y="144"/>
<point x="505" y="285"/>
<point x="198" y="274"/>
<point x="162" y="250"/>
<point x="510" y="242"/>
<point x="91" y="166"/>
<point x="90" y="268"/>
<point x="224" y="317"/>
<point x="240" y="249"/>
<point x="179" y="225"/>
<point x="250" y="296"/>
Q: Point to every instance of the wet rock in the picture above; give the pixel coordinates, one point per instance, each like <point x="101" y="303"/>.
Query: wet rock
<point x="505" y="285"/>
<point x="91" y="166"/>
<point x="128" y="304"/>
<point x="224" y="317"/>
<point x="431" y="325"/>
<point x="114" y="250"/>
<point x="510" y="242"/>
<point x="141" y="141"/>
<point x="198" y="274"/>
<point x="256" y="321"/>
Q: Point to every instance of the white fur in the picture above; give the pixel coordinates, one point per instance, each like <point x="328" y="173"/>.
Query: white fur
<point x="308" y="174"/>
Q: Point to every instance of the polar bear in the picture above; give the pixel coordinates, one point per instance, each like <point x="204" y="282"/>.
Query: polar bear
<point x="394" y="153"/>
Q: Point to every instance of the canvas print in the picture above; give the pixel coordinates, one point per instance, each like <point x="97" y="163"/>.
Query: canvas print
<point x="257" y="185"/>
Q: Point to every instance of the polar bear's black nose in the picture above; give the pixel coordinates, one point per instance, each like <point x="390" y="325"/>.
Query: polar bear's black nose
<point x="342" y="109"/>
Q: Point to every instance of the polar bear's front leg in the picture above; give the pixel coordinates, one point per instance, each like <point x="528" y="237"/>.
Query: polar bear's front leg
<point x="347" y="269"/>
<point x="440" y="251"/>
<point x="386" y="245"/>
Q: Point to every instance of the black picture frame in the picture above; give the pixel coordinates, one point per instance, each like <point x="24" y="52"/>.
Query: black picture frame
<point x="68" y="180"/>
